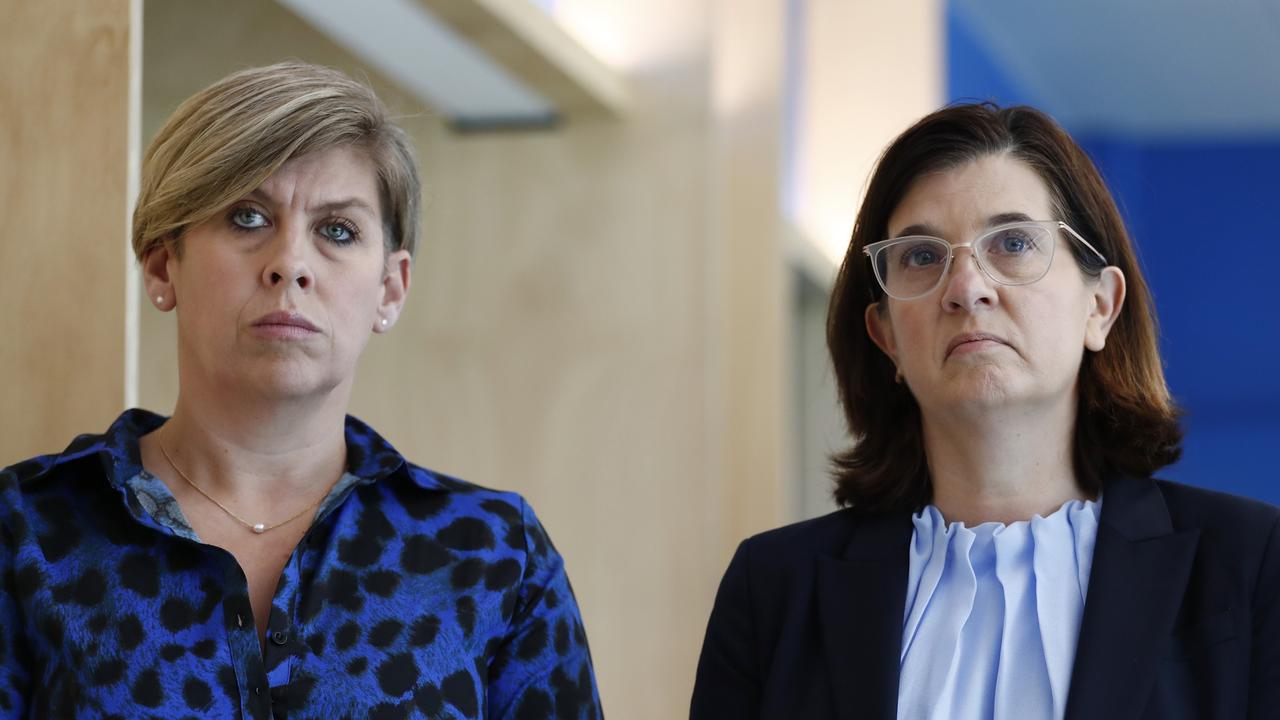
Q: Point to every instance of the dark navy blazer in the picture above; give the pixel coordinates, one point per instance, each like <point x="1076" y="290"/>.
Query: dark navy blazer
<point x="1181" y="619"/>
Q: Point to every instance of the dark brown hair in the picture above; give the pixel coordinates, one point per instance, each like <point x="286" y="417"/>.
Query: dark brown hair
<point x="1126" y="420"/>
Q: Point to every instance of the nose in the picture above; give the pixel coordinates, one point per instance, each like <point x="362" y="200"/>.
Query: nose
<point x="967" y="287"/>
<point x="287" y="261"/>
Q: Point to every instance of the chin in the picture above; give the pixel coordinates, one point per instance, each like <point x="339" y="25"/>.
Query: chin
<point x="289" y="390"/>
<point x="986" y="385"/>
<point x="286" y="381"/>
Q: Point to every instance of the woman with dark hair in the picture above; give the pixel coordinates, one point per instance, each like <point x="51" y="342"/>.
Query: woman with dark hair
<point x="1002" y="548"/>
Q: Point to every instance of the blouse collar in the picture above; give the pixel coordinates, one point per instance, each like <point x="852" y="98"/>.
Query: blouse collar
<point x="369" y="456"/>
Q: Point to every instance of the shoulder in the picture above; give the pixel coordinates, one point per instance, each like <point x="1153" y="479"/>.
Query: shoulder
<point x="821" y="535"/>
<point x="458" y="495"/>
<point x="430" y="495"/>
<point x="1217" y="513"/>
<point x="46" y="501"/>
<point x="32" y="470"/>
<point x="1239" y="538"/>
<point x="776" y="576"/>
<point x="46" y="484"/>
<point x="14" y="477"/>
<point x="789" y="554"/>
<point x="466" y="514"/>
<point x="96" y="455"/>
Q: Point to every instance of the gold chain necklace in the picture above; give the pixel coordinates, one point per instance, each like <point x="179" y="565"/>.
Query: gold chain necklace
<point x="257" y="528"/>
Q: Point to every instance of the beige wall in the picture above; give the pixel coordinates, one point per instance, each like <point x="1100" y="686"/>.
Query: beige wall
<point x="870" y="69"/>
<point x="748" y="49"/>
<point x="64" y="112"/>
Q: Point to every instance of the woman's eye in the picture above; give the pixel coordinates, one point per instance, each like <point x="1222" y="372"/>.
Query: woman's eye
<point x="920" y="257"/>
<point x="338" y="233"/>
<point x="247" y="218"/>
<point x="1014" y="243"/>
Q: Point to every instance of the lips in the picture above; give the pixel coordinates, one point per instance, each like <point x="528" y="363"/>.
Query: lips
<point x="966" y="338"/>
<point x="282" y="319"/>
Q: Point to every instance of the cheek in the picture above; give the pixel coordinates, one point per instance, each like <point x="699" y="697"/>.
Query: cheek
<point x="1054" y="330"/>
<point x="913" y="334"/>
<point x="218" y="289"/>
<point x="354" y="301"/>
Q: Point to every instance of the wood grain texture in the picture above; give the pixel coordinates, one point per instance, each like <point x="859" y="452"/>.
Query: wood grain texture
<point x="63" y="151"/>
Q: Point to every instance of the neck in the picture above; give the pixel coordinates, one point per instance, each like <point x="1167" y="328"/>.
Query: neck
<point x="255" y="453"/>
<point x="1004" y="465"/>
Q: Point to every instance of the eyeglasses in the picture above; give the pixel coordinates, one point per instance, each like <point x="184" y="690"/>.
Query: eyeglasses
<point x="1017" y="253"/>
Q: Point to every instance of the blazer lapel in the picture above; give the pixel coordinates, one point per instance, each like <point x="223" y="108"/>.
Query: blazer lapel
<point x="860" y="605"/>
<point x="1139" y="574"/>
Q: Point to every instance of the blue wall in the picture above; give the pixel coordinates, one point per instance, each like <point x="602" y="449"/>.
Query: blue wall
<point x="1204" y="215"/>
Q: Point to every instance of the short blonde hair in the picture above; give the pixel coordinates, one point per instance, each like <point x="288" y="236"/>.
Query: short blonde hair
<point x="226" y="140"/>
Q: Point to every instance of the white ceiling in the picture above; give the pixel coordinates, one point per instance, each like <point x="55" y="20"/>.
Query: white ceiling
<point x="1147" y="68"/>
<point x="406" y="42"/>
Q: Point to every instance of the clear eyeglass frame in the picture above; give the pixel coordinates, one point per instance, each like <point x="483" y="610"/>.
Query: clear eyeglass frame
<point x="873" y="251"/>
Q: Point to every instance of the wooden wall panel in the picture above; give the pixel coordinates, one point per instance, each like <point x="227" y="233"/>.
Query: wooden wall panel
<point x="64" y="111"/>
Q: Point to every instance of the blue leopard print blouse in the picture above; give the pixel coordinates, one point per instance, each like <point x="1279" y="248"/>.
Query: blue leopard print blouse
<point x="413" y="595"/>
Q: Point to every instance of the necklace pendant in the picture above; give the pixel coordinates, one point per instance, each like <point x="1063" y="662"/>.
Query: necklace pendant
<point x="259" y="528"/>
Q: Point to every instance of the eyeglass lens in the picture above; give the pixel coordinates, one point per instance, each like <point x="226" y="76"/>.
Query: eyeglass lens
<point x="1012" y="255"/>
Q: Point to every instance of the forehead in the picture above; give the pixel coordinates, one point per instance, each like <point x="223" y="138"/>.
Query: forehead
<point x="324" y="176"/>
<point x="961" y="199"/>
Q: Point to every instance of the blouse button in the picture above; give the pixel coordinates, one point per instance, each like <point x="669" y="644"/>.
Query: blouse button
<point x="279" y="637"/>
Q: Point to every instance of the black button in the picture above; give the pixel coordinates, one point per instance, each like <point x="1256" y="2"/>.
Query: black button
<point x="257" y="691"/>
<point x="279" y="637"/>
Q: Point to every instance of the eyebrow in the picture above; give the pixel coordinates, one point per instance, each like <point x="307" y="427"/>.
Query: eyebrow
<point x="997" y="219"/>
<point x="329" y="207"/>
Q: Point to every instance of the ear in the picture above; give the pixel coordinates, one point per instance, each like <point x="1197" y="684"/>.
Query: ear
<point x="157" y="278"/>
<point x="1107" y="297"/>
<point x="396" y="275"/>
<point x="880" y="329"/>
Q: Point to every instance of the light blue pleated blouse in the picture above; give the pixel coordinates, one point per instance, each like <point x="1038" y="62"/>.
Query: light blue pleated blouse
<point x="993" y="613"/>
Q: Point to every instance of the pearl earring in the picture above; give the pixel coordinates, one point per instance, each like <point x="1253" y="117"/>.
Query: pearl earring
<point x="159" y="299"/>
<point x="384" y="322"/>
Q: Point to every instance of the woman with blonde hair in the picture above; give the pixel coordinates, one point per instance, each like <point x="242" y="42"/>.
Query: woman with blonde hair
<point x="1002" y="550"/>
<point x="261" y="553"/>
